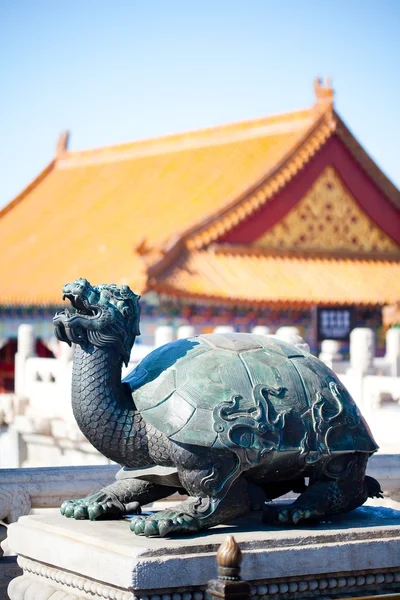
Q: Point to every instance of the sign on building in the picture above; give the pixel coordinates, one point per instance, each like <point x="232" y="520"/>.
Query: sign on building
<point x="334" y="323"/>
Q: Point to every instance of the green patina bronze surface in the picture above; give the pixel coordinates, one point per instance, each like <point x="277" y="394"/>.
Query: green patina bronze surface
<point x="233" y="420"/>
<point x="247" y="392"/>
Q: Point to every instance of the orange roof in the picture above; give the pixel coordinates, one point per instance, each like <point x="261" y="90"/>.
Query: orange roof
<point x="245" y="278"/>
<point x="89" y="211"/>
<point x="128" y="213"/>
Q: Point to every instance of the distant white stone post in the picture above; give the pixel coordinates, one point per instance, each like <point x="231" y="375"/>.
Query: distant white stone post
<point x="362" y="351"/>
<point x="330" y="354"/>
<point x="185" y="331"/>
<point x="261" y="330"/>
<point x="26" y="349"/>
<point x="291" y="335"/>
<point x="393" y="350"/>
<point x="163" y="335"/>
<point x="224" y="329"/>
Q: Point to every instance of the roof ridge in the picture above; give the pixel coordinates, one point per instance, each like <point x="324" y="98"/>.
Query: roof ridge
<point x="258" y="194"/>
<point x="326" y="122"/>
<point x="199" y="235"/>
<point x="28" y="189"/>
<point x="218" y="134"/>
<point x="367" y="163"/>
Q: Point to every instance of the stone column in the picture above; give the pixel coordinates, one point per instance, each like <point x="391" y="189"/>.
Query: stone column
<point x="224" y="329"/>
<point x="362" y="351"/>
<point x="261" y="330"/>
<point x="393" y="350"/>
<point x="330" y="354"/>
<point x="292" y="336"/>
<point x="185" y="331"/>
<point x="163" y="335"/>
<point x="26" y="349"/>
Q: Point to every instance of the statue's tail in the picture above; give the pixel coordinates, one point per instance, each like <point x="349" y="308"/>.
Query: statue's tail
<point x="373" y="487"/>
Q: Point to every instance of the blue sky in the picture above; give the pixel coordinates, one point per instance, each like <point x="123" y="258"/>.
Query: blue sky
<point x="117" y="70"/>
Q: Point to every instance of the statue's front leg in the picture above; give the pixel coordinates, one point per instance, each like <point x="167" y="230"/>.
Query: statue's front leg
<point x="113" y="501"/>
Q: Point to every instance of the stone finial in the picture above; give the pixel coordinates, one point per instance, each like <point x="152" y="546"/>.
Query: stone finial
<point x="62" y="143"/>
<point x="323" y="92"/>
<point x="229" y="558"/>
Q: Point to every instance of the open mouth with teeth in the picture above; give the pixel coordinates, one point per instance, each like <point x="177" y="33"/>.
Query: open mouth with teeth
<point x="101" y="316"/>
<point x="81" y="305"/>
<point x="72" y="325"/>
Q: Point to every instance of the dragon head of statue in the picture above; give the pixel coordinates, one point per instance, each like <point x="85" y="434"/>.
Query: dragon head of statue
<point x="101" y="316"/>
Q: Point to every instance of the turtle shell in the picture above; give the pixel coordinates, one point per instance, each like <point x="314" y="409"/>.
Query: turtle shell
<point x="250" y="391"/>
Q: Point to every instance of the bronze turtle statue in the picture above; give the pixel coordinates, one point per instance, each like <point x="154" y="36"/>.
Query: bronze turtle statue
<point x="234" y="420"/>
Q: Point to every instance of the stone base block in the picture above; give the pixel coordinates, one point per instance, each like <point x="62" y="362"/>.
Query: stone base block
<point x="8" y="571"/>
<point x="356" y="554"/>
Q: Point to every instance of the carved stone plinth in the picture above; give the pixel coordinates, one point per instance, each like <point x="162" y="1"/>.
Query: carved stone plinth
<point x="357" y="554"/>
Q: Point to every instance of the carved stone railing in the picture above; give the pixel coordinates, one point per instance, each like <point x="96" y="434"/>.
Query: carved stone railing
<point x="22" y="490"/>
<point x="47" y="487"/>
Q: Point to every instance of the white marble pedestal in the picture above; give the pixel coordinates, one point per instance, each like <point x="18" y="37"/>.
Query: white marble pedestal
<point x="68" y="560"/>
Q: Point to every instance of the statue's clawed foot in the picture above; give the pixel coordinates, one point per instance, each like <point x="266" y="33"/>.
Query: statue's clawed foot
<point x="123" y="497"/>
<point x="286" y="515"/>
<point x="164" y="523"/>
<point x="328" y="497"/>
<point x="195" y="514"/>
<point x="103" y="504"/>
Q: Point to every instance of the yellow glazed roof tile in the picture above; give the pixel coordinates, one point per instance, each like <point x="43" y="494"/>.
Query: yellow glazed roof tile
<point x="88" y="211"/>
<point x="241" y="278"/>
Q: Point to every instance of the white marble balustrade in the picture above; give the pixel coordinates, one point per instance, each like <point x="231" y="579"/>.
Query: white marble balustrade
<point x="47" y="487"/>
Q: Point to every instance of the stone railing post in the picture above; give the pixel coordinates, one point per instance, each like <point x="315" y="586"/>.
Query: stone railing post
<point x="261" y="330"/>
<point x="163" y="335"/>
<point x="224" y="329"/>
<point x="393" y="351"/>
<point x="362" y="351"/>
<point x="291" y="335"/>
<point x="26" y="349"/>
<point x="330" y="354"/>
<point x="185" y="331"/>
<point x="229" y="584"/>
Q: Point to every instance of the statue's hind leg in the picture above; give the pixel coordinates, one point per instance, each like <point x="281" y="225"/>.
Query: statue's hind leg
<point x="217" y="494"/>
<point x="120" y="498"/>
<point x="340" y="488"/>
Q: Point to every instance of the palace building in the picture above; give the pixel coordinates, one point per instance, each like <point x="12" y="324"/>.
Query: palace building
<point x="282" y="220"/>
